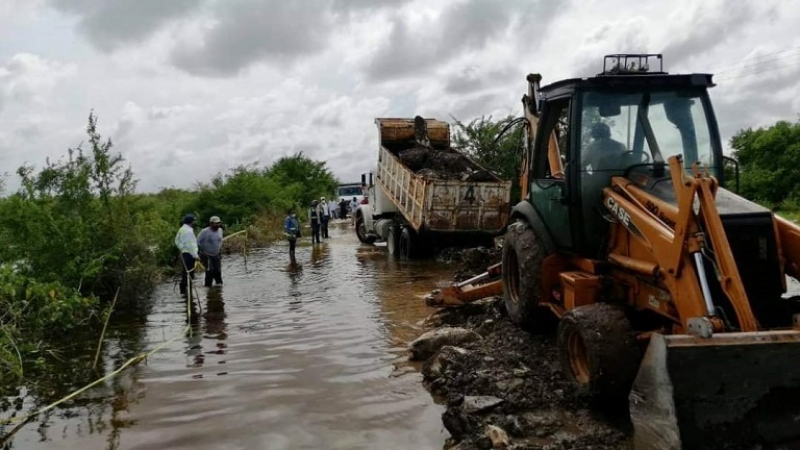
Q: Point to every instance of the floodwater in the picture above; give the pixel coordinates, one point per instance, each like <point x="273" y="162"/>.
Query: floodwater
<point x="281" y="357"/>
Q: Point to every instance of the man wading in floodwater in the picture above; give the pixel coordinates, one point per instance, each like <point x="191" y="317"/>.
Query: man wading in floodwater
<point x="209" y="241"/>
<point x="313" y="217"/>
<point x="291" y="228"/>
<point x="186" y="242"/>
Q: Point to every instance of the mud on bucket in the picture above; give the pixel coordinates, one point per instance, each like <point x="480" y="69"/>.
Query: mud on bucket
<point x="732" y="388"/>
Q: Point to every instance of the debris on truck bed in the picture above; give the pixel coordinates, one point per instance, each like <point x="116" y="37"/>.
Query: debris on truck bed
<point x="442" y="164"/>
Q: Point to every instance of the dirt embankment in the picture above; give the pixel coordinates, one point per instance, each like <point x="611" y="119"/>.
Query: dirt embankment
<point x="503" y="387"/>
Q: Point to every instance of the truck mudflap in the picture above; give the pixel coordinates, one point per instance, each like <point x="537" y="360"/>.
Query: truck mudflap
<point x="740" y="389"/>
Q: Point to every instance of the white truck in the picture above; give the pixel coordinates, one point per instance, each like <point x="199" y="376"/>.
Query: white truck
<point x="425" y="196"/>
<point x="349" y="191"/>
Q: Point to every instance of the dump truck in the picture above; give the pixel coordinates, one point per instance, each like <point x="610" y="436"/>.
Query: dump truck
<point x="425" y="195"/>
<point x="665" y="289"/>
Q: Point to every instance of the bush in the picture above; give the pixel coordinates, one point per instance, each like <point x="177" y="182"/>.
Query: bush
<point x="77" y="222"/>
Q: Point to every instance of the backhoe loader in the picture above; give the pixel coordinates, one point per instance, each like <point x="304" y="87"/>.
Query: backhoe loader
<point x="666" y="289"/>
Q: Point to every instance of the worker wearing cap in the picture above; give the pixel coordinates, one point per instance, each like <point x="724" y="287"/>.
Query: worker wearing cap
<point x="313" y="217"/>
<point x="325" y="217"/>
<point x="209" y="241"/>
<point x="186" y="242"/>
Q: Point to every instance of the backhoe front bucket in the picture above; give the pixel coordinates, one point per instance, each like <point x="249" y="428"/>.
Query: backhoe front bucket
<point x="733" y="388"/>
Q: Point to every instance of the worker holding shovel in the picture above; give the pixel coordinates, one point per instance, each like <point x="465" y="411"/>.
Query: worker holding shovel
<point x="186" y="242"/>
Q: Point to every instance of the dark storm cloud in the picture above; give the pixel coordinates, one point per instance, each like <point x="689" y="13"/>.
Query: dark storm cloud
<point x="249" y="31"/>
<point x="464" y="26"/>
<point x="111" y="23"/>
<point x="709" y="28"/>
<point x="245" y="31"/>
<point x="729" y="107"/>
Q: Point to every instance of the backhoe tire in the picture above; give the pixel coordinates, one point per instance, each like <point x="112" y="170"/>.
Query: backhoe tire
<point x="361" y="231"/>
<point x="523" y="256"/>
<point x="599" y="352"/>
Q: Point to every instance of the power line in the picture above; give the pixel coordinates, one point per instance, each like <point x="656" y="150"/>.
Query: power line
<point x="758" y="64"/>
<point x="754" y="58"/>
<point x="759" y="72"/>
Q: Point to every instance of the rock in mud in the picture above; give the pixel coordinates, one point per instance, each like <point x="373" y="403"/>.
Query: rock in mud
<point x="447" y="358"/>
<point x="456" y="422"/>
<point x="426" y="345"/>
<point x="479" y="403"/>
<point x="498" y="437"/>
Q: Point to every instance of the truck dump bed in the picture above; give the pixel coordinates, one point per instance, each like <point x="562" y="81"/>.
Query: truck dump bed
<point x="437" y="188"/>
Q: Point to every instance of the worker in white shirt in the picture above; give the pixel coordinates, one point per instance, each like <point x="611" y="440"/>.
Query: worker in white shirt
<point x="325" y="217"/>
<point x="186" y="242"/>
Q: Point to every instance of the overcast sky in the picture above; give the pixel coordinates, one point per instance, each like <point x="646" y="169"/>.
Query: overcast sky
<point x="189" y="88"/>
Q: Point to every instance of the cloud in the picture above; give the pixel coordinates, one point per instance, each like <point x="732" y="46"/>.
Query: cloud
<point x="187" y="89"/>
<point x="30" y="78"/>
<point x="110" y="24"/>
<point x="247" y="32"/>
<point x="417" y="47"/>
<point x="705" y="29"/>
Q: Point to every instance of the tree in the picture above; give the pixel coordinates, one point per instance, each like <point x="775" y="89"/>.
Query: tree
<point x="768" y="158"/>
<point x="313" y="177"/>
<point x="479" y="140"/>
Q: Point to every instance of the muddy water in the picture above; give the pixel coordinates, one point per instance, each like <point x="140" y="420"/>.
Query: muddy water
<point x="281" y="357"/>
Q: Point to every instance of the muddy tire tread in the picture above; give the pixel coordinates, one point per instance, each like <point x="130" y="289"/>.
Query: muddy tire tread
<point x="612" y="349"/>
<point x="527" y="313"/>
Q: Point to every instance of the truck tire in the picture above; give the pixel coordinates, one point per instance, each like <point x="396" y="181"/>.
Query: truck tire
<point x="406" y="244"/>
<point x="522" y="261"/>
<point x="599" y="352"/>
<point x="361" y="231"/>
<point x="391" y="242"/>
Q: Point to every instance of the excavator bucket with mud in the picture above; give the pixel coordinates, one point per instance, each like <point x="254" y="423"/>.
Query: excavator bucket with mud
<point x="740" y="388"/>
<point x="468" y="291"/>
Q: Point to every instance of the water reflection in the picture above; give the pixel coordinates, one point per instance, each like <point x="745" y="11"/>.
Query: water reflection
<point x="309" y="351"/>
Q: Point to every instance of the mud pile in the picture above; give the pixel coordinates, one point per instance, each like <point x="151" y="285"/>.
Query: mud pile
<point x="471" y="261"/>
<point x="505" y="389"/>
<point x="447" y="164"/>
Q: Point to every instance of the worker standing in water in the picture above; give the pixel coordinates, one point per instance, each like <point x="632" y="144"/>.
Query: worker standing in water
<point x="209" y="242"/>
<point x="325" y="217"/>
<point x="186" y="242"/>
<point x="291" y="228"/>
<point x="313" y="217"/>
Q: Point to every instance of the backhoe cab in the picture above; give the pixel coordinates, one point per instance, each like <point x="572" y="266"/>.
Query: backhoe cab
<point x="666" y="288"/>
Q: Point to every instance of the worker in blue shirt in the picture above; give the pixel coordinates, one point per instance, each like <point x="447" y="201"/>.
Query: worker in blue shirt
<point x="291" y="229"/>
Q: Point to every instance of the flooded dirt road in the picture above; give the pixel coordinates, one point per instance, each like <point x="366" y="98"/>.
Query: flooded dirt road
<point x="280" y="358"/>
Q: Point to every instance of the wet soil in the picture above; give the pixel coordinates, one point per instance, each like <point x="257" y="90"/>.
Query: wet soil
<point x="469" y="262"/>
<point x="538" y="408"/>
<point x="443" y="164"/>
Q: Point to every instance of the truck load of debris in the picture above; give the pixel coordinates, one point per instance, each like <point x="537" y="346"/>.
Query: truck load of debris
<point x="442" y="164"/>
